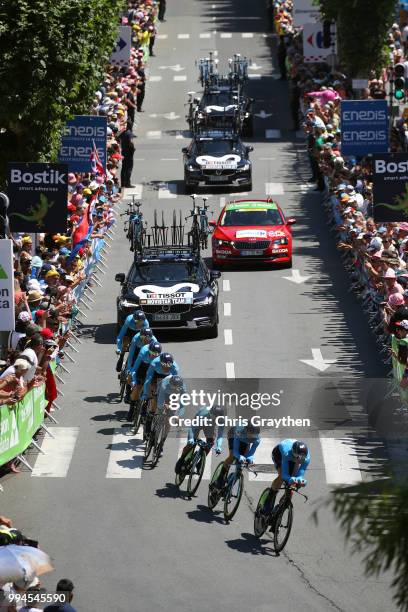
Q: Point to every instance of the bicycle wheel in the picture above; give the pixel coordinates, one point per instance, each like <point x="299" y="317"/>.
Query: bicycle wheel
<point x="283" y="526"/>
<point x="150" y="440"/>
<point x="159" y="439"/>
<point x="122" y="385"/>
<point x="260" y="520"/>
<point x="233" y="496"/>
<point x="137" y="418"/>
<point x="196" y="472"/>
<point x="214" y="495"/>
<point x="185" y="468"/>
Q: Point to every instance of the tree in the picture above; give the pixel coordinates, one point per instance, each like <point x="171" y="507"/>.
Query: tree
<point x="374" y="518"/>
<point x="362" y="27"/>
<point x="52" y="60"/>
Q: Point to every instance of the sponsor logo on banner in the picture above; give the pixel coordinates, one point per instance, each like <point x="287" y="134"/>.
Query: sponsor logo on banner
<point x="364" y="127"/>
<point x="180" y="293"/>
<point x="305" y="12"/>
<point x="77" y="142"/>
<point x="38" y="197"/>
<point x="121" y="52"/>
<point x="7" y="317"/>
<point x="168" y="299"/>
<point x="313" y="49"/>
<point x="390" y="187"/>
<point x="250" y="234"/>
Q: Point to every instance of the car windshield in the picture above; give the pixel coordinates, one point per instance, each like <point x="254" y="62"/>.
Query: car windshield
<point x="216" y="147"/>
<point x="162" y="272"/>
<point x="245" y="217"/>
<point x="220" y="99"/>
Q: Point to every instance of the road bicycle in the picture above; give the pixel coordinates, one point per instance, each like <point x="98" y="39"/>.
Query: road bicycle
<point x="157" y="437"/>
<point x="279" y="518"/>
<point x="231" y="491"/>
<point x="200" y="227"/>
<point x="123" y="380"/>
<point x="139" y="409"/>
<point x="134" y="227"/>
<point x="193" y="466"/>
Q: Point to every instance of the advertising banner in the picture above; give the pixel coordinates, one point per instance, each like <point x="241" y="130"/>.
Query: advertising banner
<point x="77" y="142"/>
<point x="7" y="318"/>
<point x="19" y="423"/>
<point x="121" y="52"/>
<point x="305" y="11"/>
<point x="38" y="195"/>
<point x="390" y="187"/>
<point x="364" y="127"/>
<point x="314" y="50"/>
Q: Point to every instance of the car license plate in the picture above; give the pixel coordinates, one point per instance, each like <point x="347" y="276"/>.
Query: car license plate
<point x="252" y="253"/>
<point x="219" y="179"/>
<point x="173" y="316"/>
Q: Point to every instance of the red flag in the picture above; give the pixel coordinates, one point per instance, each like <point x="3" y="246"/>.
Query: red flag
<point x="82" y="228"/>
<point x="97" y="165"/>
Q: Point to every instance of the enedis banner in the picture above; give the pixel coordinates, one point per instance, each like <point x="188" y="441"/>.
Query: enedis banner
<point x="38" y="195"/>
<point x="364" y="127"/>
<point x="390" y="187"/>
<point x="79" y="135"/>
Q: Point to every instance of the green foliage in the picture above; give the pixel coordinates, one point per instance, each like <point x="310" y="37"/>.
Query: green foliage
<point x="362" y="27"/>
<point x="374" y="519"/>
<point x="52" y="59"/>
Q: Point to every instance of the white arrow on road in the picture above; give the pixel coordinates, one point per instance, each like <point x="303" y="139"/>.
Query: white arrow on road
<point x="318" y="362"/>
<point x="296" y="277"/>
<point x="263" y="114"/>
<point x="175" y="68"/>
<point x="171" y="116"/>
<point x="154" y="116"/>
<point x="255" y="67"/>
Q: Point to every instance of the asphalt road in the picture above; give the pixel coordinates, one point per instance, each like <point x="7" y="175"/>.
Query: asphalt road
<point x="123" y="534"/>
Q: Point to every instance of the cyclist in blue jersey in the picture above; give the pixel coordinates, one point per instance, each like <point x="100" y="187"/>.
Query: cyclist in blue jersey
<point x="133" y="323"/>
<point x="210" y="430"/>
<point x="243" y="440"/>
<point x="142" y="338"/>
<point x="291" y="459"/>
<point x="172" y="385"/>
<point x="138" y="371"/>
<point x="160" y="367"/>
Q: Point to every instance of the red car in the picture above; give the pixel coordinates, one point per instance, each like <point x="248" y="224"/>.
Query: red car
<point x="252" y="231"/>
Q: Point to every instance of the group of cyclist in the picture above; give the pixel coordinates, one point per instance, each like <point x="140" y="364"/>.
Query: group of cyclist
<point x="153" y="376"/>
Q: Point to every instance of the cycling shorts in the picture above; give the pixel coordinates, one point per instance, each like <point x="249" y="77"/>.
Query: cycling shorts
<point x="243" y="446"/>
<point x="277" y="459"/>
<point x="156" y="377"/>
<point x="207" y="431"/>
<point x="141" y="373"/>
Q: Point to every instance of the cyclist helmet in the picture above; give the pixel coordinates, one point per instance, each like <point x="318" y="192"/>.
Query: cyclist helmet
<point x="146" y="334"/>
<point x="166" y="360"/>
<point x="217" y="411"/>
<point x="139" y="316"/>
<point x="253" y="430"/>
<point x="155" y="348"/>
<point x="176" y="383"/>
<point x="299" y="449"/>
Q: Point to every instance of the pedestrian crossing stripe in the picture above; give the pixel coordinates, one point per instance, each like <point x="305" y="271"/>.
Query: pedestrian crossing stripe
<point x="205" y="35"/>
<point x="155" y="79"/>
<point x="183" y="36"/>
<point x="179" y="77"/>
<point x="274" y="189"/>
<point x="334" y="459"/>
<point x="154" y="134"/>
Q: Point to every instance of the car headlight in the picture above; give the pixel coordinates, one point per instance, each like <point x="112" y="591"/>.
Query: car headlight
<point x="127" y="304"/>
<point x="207" y="301"/>
<point x="245" y="167"/>
<point x="280" y="241"/>
<point x="224" y="243"/>
<point x="191" y="167"/>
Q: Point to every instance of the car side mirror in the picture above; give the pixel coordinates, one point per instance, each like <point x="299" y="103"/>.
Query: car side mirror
<point x="120" y="278"/>
<point x="196" y="100"/>
<point x="212" y="222"/>
<point x="184" y="150"/>
<point x="214" y="274"/>
<point x="290" y="221"/>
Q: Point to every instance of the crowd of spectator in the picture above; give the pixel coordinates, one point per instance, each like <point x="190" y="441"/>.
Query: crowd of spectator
<point x="376" y="255"/>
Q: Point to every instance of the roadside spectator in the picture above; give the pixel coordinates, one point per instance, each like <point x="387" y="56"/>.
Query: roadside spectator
<point x="65" y="586"/>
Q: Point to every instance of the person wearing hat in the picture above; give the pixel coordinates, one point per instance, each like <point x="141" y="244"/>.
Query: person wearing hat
<point x="34" y="298"/>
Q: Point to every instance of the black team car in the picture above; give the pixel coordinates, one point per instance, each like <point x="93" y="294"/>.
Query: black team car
<point x="224" y="106"/>
<point x="174" y="287"/>
<point x="217" y="158"/>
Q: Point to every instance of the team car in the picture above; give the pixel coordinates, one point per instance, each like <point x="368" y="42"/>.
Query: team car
<point x="174" y="287"/>
<point x="252" y="231"/>
<point x="217" y="158"/>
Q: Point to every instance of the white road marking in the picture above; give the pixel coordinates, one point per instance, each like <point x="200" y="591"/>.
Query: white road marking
<point x="180" y="77"/>
<point x="169" y="159"/>
<point x="126" y="455"/>
<point x="155" y="79"/>
<point x="226" y="285"/>
<point x="227" y="309"/>
<point x="154" y="134"/>
<point x="228" y="337"/>
<point x="266" y="158"/>
<point x="183" y="36"/>
<point x="247" y="35"/>
<point x="58" y="453"/>
<point x="168" y="191"/>
<point x="305" y="188"/>
<point x="253" y="75"/>
<point x="273" y="134"/>
<point x="230" y="370"/>
<point x="317" y="360"/>
<point x="138" y="159"/>
<point x="274" y="189"/>
<point x="136" y="191"/>
<point x="162" y="36"/>
<point x="205" y="35"/>
<point x="226" y="35"/>
<point x="340" y="460"/>
<point x="263" y="455"/>
<point x="180" y="136"/>
<point x="222" y="202"/>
